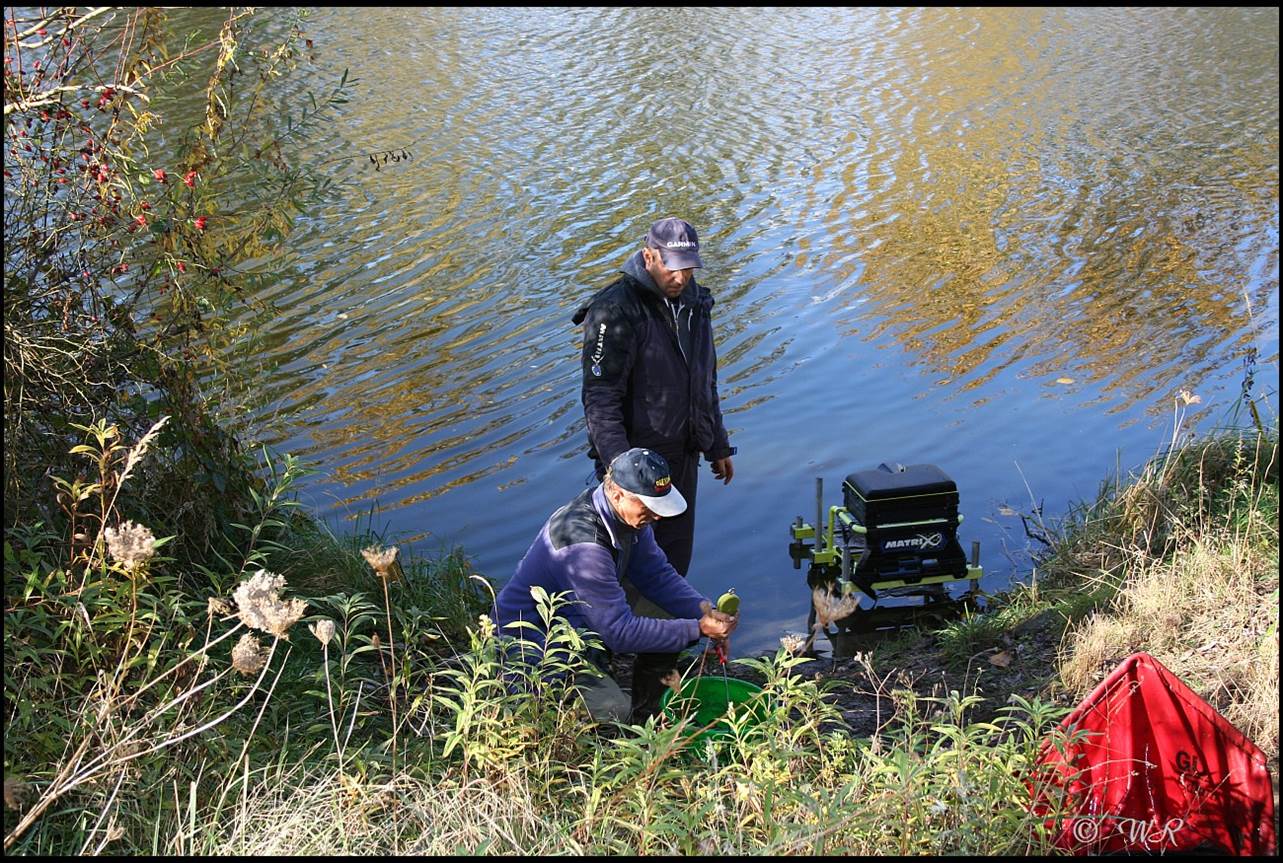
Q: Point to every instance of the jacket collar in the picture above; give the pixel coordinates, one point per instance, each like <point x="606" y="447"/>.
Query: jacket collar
<point x="635" y="268"/>
<point x="619" y="532"/>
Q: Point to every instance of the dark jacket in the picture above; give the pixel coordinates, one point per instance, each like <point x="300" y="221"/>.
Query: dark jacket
<point x="579" y="550"/>
<point x="650" y="371"/>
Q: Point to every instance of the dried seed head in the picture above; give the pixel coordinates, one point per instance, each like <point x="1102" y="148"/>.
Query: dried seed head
<point x="793" y="643"/>
<point x="383" y="560"/>
<point x="829" y="608"/>
<point x="259" y="605"/>
<point x="218" y="607"/>
<point x="247" y="655"/>
<point x="15" y="792"/>
<point x="131" y="546"/>
<point x="323" y="630"/>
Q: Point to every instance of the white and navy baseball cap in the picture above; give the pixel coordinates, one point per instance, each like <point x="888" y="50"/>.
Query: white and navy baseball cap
<point x="677" y="242"/>
<point x="645" y="473"/>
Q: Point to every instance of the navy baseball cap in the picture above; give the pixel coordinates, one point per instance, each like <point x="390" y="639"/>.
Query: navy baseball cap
<point x="677" y="242"/>
<point x="645" y="473"/>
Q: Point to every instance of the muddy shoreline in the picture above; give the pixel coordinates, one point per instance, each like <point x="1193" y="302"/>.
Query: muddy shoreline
<point x="1020" y="663"/>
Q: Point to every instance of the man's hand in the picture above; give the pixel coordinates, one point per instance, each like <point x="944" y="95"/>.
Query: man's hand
<point x="715" y="624"/>
<point x="723" y="469"/>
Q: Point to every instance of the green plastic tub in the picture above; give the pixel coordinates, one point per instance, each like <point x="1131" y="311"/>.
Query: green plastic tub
<point x="707" y="699"/>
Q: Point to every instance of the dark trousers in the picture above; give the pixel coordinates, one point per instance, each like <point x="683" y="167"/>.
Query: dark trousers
<point x="676" y="538"/>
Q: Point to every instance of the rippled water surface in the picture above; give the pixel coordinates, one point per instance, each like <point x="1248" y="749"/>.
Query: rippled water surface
<point x="1001" y="241"/>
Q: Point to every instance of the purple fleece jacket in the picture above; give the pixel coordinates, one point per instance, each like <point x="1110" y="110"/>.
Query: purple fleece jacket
<point x="576" y="551"/>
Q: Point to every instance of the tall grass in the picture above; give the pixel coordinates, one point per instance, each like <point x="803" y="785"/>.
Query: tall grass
<point x="143" y="719"/>
<point x="546" y="780"/>
<point x="1180" y="561"/>
<point x="1197" y="586"/>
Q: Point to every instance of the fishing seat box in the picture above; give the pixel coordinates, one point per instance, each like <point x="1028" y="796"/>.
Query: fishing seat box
<point x="911" y="515"/>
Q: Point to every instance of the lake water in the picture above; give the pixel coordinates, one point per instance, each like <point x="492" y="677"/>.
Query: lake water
<point x="1001" y="241"/>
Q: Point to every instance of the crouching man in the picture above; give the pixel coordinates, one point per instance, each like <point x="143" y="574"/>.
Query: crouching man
<point x="601" y="549"/>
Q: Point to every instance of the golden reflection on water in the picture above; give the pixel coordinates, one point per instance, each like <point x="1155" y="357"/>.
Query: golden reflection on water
<point x="1003" y="215"/>
<point x="1005" y="194"/>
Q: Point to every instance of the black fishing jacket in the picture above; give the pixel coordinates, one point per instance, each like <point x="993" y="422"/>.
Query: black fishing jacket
<point x="650" y="373"/>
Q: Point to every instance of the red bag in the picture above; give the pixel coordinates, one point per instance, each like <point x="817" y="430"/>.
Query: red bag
<point x="1159" y="770"/>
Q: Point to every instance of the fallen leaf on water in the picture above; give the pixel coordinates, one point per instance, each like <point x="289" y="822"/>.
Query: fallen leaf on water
<point x="1003" y="509"/>
<point x="1064" y="380"/>
<point x="1001" y="659"/>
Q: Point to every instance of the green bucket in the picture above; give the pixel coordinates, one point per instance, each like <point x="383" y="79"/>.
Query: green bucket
<point x="705" y="700"/>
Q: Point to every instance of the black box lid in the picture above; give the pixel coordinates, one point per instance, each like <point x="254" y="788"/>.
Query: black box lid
<point x="887" y="481"/>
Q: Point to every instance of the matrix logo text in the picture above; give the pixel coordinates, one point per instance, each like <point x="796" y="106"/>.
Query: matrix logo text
<point x="921" y="541"/>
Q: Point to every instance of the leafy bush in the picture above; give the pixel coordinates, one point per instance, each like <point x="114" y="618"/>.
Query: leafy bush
<point x="125" y="235"/>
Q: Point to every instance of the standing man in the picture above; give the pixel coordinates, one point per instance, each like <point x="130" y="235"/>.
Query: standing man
<point x="650" y="380"/>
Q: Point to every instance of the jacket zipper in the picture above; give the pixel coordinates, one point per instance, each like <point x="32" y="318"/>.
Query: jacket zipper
<point x="675" y="311"/>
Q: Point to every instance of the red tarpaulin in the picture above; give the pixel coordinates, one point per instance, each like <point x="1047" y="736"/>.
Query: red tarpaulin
<point x="1159" y="770"/>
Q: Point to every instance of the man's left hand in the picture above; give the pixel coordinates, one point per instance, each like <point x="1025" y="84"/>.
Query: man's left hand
<point x="723" y="469"/>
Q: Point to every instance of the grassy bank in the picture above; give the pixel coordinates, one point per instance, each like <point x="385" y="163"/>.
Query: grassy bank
<point x="375" y="719"/>
<point x="1181" y="562"/>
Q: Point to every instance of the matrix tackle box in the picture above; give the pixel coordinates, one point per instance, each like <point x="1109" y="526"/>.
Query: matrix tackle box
<point x="909" y="515"/>
<point x="895" y="534"/>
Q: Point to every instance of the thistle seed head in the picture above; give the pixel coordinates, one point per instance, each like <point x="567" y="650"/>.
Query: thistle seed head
<point x="131" y="546"/>
<point x="382" y="560"/>
<point x="793" y="643"/>
<point x="323" y="630"/>
<point x="247" y="655"/>
<point x="259" y="605"/>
